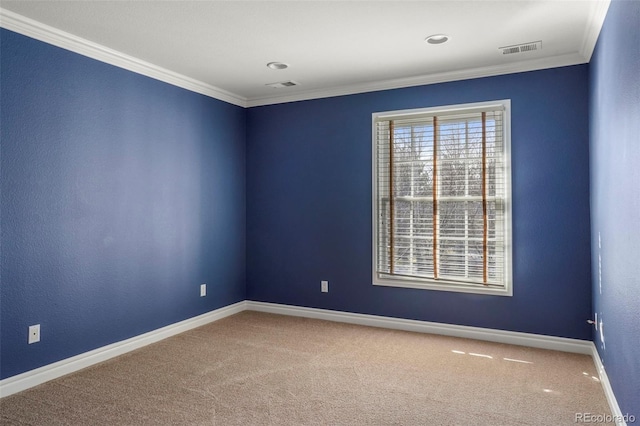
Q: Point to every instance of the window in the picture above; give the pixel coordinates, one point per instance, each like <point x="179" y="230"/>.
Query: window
<point x="442" y="198"/>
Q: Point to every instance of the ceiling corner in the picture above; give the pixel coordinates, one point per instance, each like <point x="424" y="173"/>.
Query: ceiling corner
<point x="593" y="27"/>
<point x="45" y="33"/>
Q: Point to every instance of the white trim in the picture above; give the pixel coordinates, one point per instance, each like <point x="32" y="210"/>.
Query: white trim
<point x="562" y="344"/>
<point x="444" y="284"/>
<point x="490" y="335"/>
<point x="43" y="374"/>
<point x="606" y="386"/>
<point x="467" y="74"/>
<point x="593" y="28"/>
<point x="39" y="31"/>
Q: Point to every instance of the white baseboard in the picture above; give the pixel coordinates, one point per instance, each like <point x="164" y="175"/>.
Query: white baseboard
<point x="43" y="374"/>
<point x="491" y="335"/>
<point x="606" y="386"/>
<point x="487" y="334"/>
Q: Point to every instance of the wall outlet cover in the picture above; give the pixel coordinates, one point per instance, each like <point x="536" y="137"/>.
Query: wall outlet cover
<point x="34" y="333"/>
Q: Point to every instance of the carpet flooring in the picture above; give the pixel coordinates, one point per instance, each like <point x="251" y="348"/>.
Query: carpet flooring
<point x="262" y="369"/>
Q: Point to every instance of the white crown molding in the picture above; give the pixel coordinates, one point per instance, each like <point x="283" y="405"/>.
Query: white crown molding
<point x="34" y="29"/>
<point x="48" y="372"/>
<point x="487" y="334"/>
<point x="39" y="31"/>
<point x="466" y="74"/>
<point x="606" y="386"/>
<point x="594" y="25"/>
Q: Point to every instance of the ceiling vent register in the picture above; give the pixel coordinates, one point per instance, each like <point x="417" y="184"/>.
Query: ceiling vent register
<point x="282" y="84"/>
<point x="521" y="48"/>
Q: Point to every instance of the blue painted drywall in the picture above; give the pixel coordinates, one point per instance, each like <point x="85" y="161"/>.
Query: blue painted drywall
<point x="615" y="199"/>
<point x="120" y="196"/>
<point x="309" y="205"/>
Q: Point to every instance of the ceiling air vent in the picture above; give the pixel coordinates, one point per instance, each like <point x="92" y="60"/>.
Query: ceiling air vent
<point x="519" y="48"/>
<point x="282" y="84"/>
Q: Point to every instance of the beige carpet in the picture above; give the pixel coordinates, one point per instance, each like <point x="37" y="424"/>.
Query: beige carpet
<point x="262" y="369"/>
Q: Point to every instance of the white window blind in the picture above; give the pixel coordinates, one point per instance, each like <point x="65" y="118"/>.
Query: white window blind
<point x="442" y="198"/>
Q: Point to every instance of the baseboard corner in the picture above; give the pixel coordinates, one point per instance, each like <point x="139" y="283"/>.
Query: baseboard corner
<point x="606" y="386"/>
<point x="35" y="377"/>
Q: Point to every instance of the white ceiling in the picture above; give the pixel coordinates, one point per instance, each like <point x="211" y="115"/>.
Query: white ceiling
<point x="221" y="48"/>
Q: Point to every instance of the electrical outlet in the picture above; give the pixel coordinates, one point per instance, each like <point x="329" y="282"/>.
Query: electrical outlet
<point x="324" y="286"/>
<point x="203" y="290"/>
<point x="34" y="333"/>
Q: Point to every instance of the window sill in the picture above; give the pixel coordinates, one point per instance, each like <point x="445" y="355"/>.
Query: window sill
<point x="443" y="285"/>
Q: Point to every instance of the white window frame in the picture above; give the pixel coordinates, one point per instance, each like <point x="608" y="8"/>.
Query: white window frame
<point x="443" y="284"/>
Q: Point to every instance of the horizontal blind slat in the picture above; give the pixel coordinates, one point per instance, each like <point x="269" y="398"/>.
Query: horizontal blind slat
<point x="455" y="154"/>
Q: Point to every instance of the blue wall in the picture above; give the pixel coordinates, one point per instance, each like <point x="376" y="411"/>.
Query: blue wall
<point x="309" y="205"/>
<point x="120" y="196"/>
<point x="615" y="198"/>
